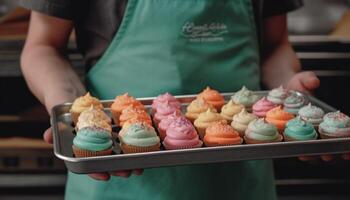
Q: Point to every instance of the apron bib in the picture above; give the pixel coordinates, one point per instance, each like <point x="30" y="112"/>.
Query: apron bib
<point x="180" y="46"/>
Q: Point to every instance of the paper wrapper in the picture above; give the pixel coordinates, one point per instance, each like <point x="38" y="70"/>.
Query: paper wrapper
<point x="135" y="149"/>
<point x="289" y="139"/>
<point x="79" y="153"/>
<point x="213" y="144"/>
<point x="182" y="147"/>
<point x="251" y="141"/>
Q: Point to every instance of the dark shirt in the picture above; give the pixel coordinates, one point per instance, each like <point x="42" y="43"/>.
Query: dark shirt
<point x="97" y="21"/>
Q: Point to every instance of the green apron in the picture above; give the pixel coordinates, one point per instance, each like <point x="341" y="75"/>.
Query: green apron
<point x="180" y="46"/>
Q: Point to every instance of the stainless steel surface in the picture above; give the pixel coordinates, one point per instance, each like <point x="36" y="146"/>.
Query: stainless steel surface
<point x="63" y="137"/>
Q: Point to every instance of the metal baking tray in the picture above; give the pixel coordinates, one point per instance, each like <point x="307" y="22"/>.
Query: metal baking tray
<point x="63" y="139"/>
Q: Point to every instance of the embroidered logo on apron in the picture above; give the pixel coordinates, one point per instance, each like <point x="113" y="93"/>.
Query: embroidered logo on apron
<point x="212" y="32"/>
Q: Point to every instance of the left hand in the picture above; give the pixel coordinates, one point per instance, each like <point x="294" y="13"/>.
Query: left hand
<point x="307" y="82"/>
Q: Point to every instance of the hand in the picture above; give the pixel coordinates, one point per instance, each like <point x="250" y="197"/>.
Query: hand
<point x="306" y="81"/>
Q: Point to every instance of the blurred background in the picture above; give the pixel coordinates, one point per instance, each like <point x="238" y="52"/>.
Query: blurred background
<point x="320" y="34"/>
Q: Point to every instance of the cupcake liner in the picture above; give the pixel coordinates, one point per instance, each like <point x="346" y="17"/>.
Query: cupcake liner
<point x="213" y="144"/>
<point x="74" y="116"/>
<point x="289" y="139"/>
<point x="252" y="141"/>
<point x="182" y="147"/>
<point x="80" y="153"/>
<point x="126" y="149"/>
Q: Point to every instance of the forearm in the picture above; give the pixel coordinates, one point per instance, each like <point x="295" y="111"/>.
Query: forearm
<point x="50" y="76"/>
<point x="279" y="65"/>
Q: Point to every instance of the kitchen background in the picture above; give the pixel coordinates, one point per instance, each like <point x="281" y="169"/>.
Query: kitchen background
<point x="320" y="33"/>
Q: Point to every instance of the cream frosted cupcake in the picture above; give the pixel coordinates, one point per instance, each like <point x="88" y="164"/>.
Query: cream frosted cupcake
<point x="205" y="119"/>
<point x="93" y="117"/>
<point x="246" y="98"/>
<point x="311" y="114"/>
<point x="259" y="131"/>
<point x="334" y="125"/>
<point x="196" y="107"/>
<point x="139" y="137"/>
<point x="241" y="120"/>
<point x="293" y="103"/>
<point x="278" y="95"/>
<point x="83" y="103"/>
<point x="213" y="97"/>
<point x="299" y="130"/>
<point x="230" y="109"/>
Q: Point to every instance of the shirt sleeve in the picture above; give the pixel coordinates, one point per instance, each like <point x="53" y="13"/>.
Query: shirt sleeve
<point x="278" y="7"/>
<point x="56" y="8"/>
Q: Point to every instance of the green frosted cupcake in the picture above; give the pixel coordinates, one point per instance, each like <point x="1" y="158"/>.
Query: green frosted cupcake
<point x="299" y="130"/>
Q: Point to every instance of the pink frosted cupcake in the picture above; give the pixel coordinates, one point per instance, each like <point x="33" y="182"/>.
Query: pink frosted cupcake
<point x="162" y="99"/>
<point x="163" y="111"/>
<point x="165" y="123"/>
<point x="261" y="107"/>
<point x="181" y="135"/>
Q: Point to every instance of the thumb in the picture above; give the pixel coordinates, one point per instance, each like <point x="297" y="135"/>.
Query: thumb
<point x="48" y="136"/>
<point x="309" y="80"/>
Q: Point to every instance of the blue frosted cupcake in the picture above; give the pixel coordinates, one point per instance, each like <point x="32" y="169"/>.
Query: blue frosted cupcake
<point x="299" y="130"/>
<point x="92" y="141"/>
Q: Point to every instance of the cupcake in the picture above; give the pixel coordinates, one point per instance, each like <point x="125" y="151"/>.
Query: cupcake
<point x="334" y="125"/>
<point x="163" y="111"/>
<point x="161" y="99"/>
<point x="83" y="103"/>
<point x="181" y="135"/>
<point x="311" y="114"/>
<point x="221" y="134"/>
<point x="279" y="118"/>
<point x="245" y="97"/>
<point x="137" y="119"/>
<point x="92" y="141"/>
<point x="134" y="112"/>
<point x="95" y="118"/>
<point x="261" y="107"/>
<point x="213" y="97"/>
<point x="241" y="120"/>
<point x="293" y="103"/>
<point x="165" y="123"/>
<point x="205" y="119"/>
<point x="120" y="103"/>
<point x="196" y="107"/>
<point x="139" y="137"/>
<point x="278" y="95"/>
<point x="230" y="109"/>
<point x="298" y="130"/>
<point x="260" y="131"/>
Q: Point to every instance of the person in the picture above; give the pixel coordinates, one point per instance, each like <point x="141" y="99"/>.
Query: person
<point x="150" y="47"/>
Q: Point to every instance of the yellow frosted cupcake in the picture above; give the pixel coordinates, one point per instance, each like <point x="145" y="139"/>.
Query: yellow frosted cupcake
<point x="241" y="120"/>
<point x="83" y="103"/>
<point x="196" y="107"/>
<point x="205" y="119"/>
<point x="230" y="109"/>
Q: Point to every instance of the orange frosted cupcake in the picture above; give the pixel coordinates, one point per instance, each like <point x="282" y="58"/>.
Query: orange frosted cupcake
<point x="230" y="109"/>
<point x="279" y="118"/>
<point x="134" y="112"/>
<point x="213" y="97"/>
<point x="136" y="120"/>
<point x="221" y="134"/>
<point x="120" y="103"/>
<point x="205" y="119"/>
<point x="196" y="107"/>
<point x="83" y="103"/>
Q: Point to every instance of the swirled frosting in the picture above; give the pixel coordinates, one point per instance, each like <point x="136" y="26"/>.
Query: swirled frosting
<point x="261" y="107"/>
<point x="165" y="123"/>
<point x="241" y="120"/>
<point x="164" y="110"/>
<point x="335" y="124"/>
<point x="245" y="97"/>
<point x="206" y="118"/>
<point x="298" y="129"/>
<point x="93" y="117"/>
<point x="163" y="98"/>
<point x="85" y="102"/>
<point x="312" y="114"/>
<point x="123" y="101"/>
<point x="181" y="134"/>
<point x="133" y="112"/>
<point x="213" y="97"/>
<point x="93" y="139"/>
<point x="140" y="135"/>
<point x="221" y="134"/>
<point x="279" y="117"/>
<point x="278" y="95"/>
<point x="230" y="109"/>
<point x="260" y="130"/>
<point x="293" y="103"/>
<point x="198" y="106"/>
